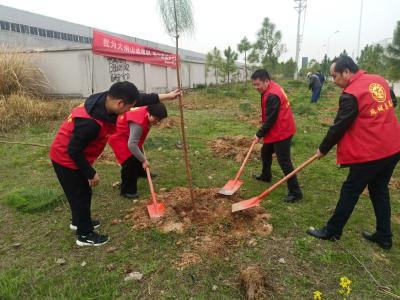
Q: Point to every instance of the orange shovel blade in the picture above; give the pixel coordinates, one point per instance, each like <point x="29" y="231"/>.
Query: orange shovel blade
<point x="230" y="187"/>
<point x="255" y="201"/>
<point x="156" y="210"/>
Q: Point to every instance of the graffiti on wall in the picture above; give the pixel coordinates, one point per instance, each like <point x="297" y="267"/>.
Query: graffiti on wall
<point x="118" y="69"/>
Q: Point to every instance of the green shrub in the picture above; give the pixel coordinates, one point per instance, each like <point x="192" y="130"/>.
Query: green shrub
<point x="34" y="199"/>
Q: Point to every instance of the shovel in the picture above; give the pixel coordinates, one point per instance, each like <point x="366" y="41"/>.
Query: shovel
<point x="233" y="185"/>
<point x="255" y="201"/>
<point x="155" y="209"/>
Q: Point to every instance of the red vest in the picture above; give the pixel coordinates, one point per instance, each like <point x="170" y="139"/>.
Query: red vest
<point x="59" y="147"/>
<point x="119" y="140"/>
<point x="375" y="133"/>
<point x="284" y="125"/>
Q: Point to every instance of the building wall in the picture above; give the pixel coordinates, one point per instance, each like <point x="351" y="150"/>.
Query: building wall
<point x="68" y="73"/>
<point x="63" y="51"/>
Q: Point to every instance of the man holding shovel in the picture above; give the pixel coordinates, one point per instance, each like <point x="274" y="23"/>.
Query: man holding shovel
<point x="367" y="134"/>
<point x="79" y="142"/>
<point x="127" y="144"/>
<point x="277" y="130"/>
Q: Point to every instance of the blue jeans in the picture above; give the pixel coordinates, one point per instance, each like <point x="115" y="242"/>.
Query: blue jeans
<point x="316" y="93"/>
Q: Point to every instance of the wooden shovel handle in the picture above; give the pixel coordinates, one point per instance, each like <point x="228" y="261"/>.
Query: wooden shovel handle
<point x="153" y="193"/>
<point x="288" y="176"/>
<point x="239" y="173"/>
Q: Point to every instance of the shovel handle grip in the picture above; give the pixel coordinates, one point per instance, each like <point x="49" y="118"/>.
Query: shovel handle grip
<point x="288" y="176"/>
<point x="239" y="173"/>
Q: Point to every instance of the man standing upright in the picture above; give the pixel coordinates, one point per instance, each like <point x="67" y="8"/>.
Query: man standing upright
<point x="277" y="130"/>
<point x="367" y="134"/>
<point x="315" y="86"/>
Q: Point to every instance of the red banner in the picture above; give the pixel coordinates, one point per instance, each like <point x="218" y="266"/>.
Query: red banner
<point x="111" y="46"/>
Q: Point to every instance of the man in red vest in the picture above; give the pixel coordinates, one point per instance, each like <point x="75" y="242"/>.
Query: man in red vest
<point x="79" y="142"/>
<point x="277" y="130"/>
<point x="127" y="144"/>
<point x="367" y="134"/>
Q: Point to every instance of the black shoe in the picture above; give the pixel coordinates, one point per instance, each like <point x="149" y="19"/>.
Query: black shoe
<point x="262" y="178"/>
<point x="323" y="234"/>
<point x="130" y="196"/>
<point x="96" y="224"/>
<point x="384" y="243"/>
<point x="92" y="239"/>
<point x="291" y="198"/>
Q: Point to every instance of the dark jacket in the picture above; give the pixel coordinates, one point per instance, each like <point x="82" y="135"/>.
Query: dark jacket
<point x="347" y="113"/>
<point x="315" y="83"/>
<point x="321" y="77"/>
<point x="272" y="108"/>
<point x="86" y="130"/>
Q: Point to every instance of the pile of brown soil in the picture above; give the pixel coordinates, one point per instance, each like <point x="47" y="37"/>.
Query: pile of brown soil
<point x="213" y="228"/>
<point x="253" y="282"/>
<point x="107" y="157"/>
<point x="235" y="147"/>
<point x="168" y="123"/>
<point x="250" y="120"/>
<point x="326" y="121"/>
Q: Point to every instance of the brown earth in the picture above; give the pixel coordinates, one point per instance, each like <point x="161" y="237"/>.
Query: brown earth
<point x="250" y="120"/>
<point x="107" y="157"/>
<point x="211" y="227"/>
<point x="168" y="123"/>
<point x="253" y="282"/>
<point x="235" y="147"/>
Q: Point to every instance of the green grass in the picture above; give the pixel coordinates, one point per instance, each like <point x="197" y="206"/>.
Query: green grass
<point x="33" y="199"/>
<point x="30" y="270"/>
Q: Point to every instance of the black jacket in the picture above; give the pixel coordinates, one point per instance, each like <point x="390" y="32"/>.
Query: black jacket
<point x="86" y="130"/>
<point x="347" y="113"/>
<point x="272" y="108"/>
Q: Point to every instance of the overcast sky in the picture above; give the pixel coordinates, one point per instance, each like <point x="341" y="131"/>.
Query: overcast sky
<point x="224" y="23"/>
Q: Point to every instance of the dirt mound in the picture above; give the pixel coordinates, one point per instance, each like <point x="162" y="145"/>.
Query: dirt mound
<point x="235" y="147"/>
<point x="168" y="123"/>
<point x="213" y="229"/>
<point x="253" y="281"/>
<point x="326" y="121"/>
<point x="250" y="120"/>
<point x="107" y="157"/>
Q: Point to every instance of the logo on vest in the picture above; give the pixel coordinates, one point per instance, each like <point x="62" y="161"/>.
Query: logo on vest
<point x="377" y="92"/>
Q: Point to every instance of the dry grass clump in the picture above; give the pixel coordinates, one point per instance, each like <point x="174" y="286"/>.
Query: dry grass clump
<point x="18" y="73"/>
<point x="17" y="110"/>
<point x="22" y="87"/>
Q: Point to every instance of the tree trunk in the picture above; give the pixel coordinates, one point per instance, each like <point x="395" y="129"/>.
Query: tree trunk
<point x="245" y="69"/>
<point x="185" y="148"/>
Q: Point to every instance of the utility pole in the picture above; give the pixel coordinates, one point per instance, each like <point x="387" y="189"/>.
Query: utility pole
<point x="359" y="30"/>
<point x="300" y="6"/>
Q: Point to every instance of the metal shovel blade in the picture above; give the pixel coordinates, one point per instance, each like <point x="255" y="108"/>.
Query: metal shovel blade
<point x="255" y="201"/>
<point x="230" y="187"/>
<point x="156" y="210"/>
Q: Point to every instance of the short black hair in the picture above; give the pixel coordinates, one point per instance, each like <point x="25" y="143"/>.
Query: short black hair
<point x="260" y="74"/>
<point x="344" y="62"/>
<point x="158" y="110"/>
<point x="124" y="90"/>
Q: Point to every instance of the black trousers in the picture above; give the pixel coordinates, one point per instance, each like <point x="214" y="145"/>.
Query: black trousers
<point x="79" y="194"/>
<point x="131" y="170"/>
<point x="282" y="150"/>
<point x="376" y="175"/>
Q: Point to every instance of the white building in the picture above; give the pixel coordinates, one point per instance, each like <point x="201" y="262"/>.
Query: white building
<point x="63" y="50"/>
